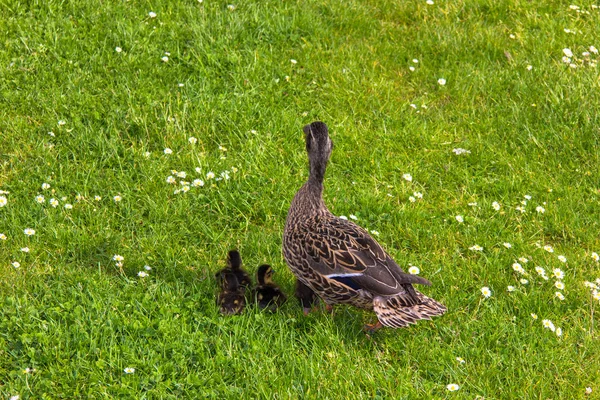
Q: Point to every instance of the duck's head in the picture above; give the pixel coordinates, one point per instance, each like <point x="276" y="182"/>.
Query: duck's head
<point x="318" y="147"/>
<point x="264" y="275"/>
<point x="234" y="260"/>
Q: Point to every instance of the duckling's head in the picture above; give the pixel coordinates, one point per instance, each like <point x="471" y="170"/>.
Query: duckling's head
<point x="234" y="260"/>
<point x="264" y="275"/>
<point x="318" y="147"/>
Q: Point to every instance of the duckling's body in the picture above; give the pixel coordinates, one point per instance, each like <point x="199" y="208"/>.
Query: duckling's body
<point x="231" y="299"/>
<point x="306" y="296"/>
<point x="267" y="294"/>
<point x="339" y="260"/>
<point x="234" y="266"/>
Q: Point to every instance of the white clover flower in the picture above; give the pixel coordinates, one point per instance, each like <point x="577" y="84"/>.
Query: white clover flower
<point x="453" y="387"/>
<point x="118" y="258"/>
<point x="567" y="52"/>
<point x="210" y="175"/>
<point x="40" y="199"/>
<point x="540" y="209"/>
<point x="458" y="151"/>
<point x="549" y="248"/>
<point x="510" y="288"/>
<point x="559" y="295"/>
<point x="523" y="281"/>
<point x="152" y="14"/>
<point x="559" y="285"/>
<point x="407" y="177"/>
<point x="486" y="292"/>
<point x="197" y="182"/>
<point x="534" y="316"/>
<point x="16" y="264"/>
<point x="142" y="274"/>
<point x="496" y="206"/>
<point x="3" y="201"/>
<point x="68" y="206"/>
<point x="460" y="219"/>
<point x="167" y="151"/>
<point x="562" y="259"/>
<point x="595" y="257"/>
<point x="558" y="273"/>
<point x="129" y="370"/>
<point x="53" y="202"/>
<point x="441" y="81"/>
<point x="3" y="236"/>
<point x="507" y="245"/>
<point x="548" y="325"/>
<point x="118" y="49"/>
<point x="414" y="270"/>
<point x="412" y="199"/>
<point x="117" y="198"/>
<point x="476" y="247"/>
<point x="29" y="231"/>
<point x="192" y="140"/>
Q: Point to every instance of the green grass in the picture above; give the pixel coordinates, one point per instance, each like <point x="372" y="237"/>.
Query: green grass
<point x="73" y="316"/>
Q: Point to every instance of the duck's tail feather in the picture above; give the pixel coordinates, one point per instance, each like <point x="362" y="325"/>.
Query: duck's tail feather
<point x="394" y="312"/>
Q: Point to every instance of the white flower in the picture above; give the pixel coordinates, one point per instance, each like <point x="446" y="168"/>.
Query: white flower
<point x="293" y="61"/>
<point x="415" y="60"/>
<point x="523" y="281"/>
<point x="147" y="267"/>
<point x="414" y="106"/>
<point x="460" y="360"/>
<point x="142" y="274"/>
<point x="25" y="249"/>
<point x="210" y="175"/>
<point x="54" y="202"/>
<point x="118" y="49"/>
<point x="548" y="324"/>
<point x="234" y="169"/>
<point x="117" y="198"/>
<point x="352" y="216"/>
<point x="590" y="285"/>
<point x="414" y="270"/>
<point x="558" y="273"/>
<point x="3" y="201"/>
<point x="441" y="81"/>
<point x="572" y="65"/>
<point x="68" y="206"/>
<point x="3" y="236"/>
<point x="566" y="60"/>
<point x="17" y="397"/>
<point x="595" y="257"/>
<point x="523" y="260"/>
<point x="534" y="316"/>
<point x="192" y="140"/>
<point x="540" y="270"/>
<point x="118" y="258"/>
<point x="453" y="387"/>
<point x="40" y="199"/>
<point x="152" y="14"/>
<point x="185" y="189"/>
<point x="559" y="285"/>
<point x="510" y="288"/>
<point x="147" y="154"/>
<point x="496" y="205"/>
<point x="507" y="245"/>
<point x="407" y="177"/>
<point x="45" y="186"/>
<point x="167" y="151"/>
<point x="411" y="68"/>
<point x="529" y="67"/>
<point x="474" y="204"/>
<point x="343" y="217"/>
<point x="562" y="259"/>
<point x="374" y="232"/>
<point x="164" y="59"/>
<point x="430" y="2"/>
<point x="62" y="122"/>
<point x="486" y="292"/>
<point x="559" y="295"/>
<point x="129" y="370"/>
<point x="549" y="248"/>
<point x="568" y="52"/>
<point x="181" y="174"/>
<point x="231" y="7"/>
<point x="171" y="179"/>
<point x="558" y="331"/>
<point x="588" y="390"/>
<point x="518" y="268"/>
<point x="412" y="199"/>
<point x="418" y="195"/>
<point x="225" y="175"/>
<point x="460" y="219"/>
<point x="29" y="231"/>
<point x="197" y="182"/>
<point x="16" y="264"/>
<point x="97" y="198"/>
<point x="540" y="209"/>
<point x="476" y="247"/>
<point x="458" y="151"/>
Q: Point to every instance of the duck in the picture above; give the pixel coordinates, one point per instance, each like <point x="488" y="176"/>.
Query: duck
<point x="340" y="261"/>
<point x="306" y="296"/>
<point x="267" y="294"/>
<point x="234" y="266"/>
<point x="231" y="299"/>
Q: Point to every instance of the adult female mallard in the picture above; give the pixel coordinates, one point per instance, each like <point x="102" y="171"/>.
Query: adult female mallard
<point x="339" y="260"/>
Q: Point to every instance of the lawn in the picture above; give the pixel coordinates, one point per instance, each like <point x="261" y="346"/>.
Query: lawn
<point x="466" y="139"/>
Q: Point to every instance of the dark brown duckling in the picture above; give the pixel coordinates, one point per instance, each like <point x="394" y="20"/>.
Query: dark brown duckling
<point x="306" y="296"/>
<point x="234" y="266"/>
<point x="231" y="298"/>
<point x="267" y="294"/>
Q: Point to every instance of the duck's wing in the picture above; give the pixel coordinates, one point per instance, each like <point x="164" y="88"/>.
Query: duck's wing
<point x="341" y="250"/>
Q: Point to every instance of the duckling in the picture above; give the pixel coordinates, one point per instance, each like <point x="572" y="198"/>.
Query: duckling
<point x="234" y="266"/>
<point x="306" y="296"/>
<point x="267" y="294"/>
<point x="231" y="298"/>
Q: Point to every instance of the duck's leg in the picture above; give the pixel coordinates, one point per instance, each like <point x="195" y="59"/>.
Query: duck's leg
<point x="371" y="328"/>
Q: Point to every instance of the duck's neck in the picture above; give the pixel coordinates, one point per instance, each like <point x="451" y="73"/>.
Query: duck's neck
<point x="317" y="171"/>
